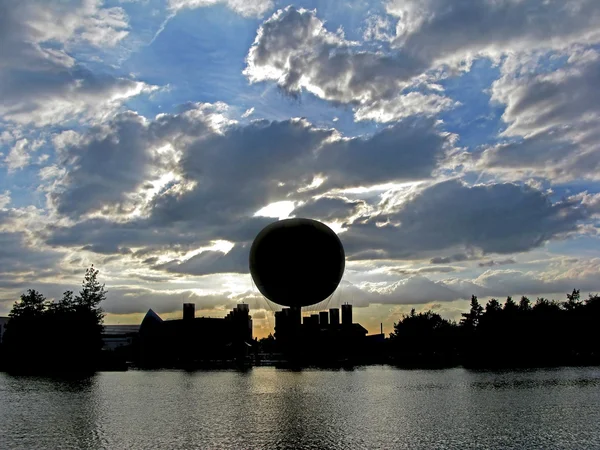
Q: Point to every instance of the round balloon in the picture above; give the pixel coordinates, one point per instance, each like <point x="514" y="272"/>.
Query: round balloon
<point x="297" y="262"/>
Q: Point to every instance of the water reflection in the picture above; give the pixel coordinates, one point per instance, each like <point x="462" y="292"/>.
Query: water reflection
<point x="375" y="407"/>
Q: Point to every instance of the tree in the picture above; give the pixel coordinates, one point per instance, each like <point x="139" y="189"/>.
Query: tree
<point x="524" y="304"/>
<point x="85" y="317"/>
<point x="470" y="320"/>
<point x="573" y="302"/>
<point x="61" y="335"/>
<point x="493" y="306"/>
<point x="510" y="306"/>
<point x="23" y="340"/>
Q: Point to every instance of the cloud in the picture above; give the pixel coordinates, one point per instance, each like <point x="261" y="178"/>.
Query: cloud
<point x="421" y="270"/>
<point x="5" y="199"/>
<point x="18" y="156"/>
<point x="19" y="256"/>
<point x="294" y="49"/>
<point x="457" y="257"/>
<point x="552" y="121"/>
<point x="450" y="215"/>
<point x="328" y="209"/>
<point x="207" y="197"/>
<point x="127" y="300"/>
<point x="441" y="32"/>
<point x="104" y="166"/>
<point x="402" y="106"/>
<point x="41" y="83"/>
<point x="492" y="263"/>
<point x="209" y="262"/>
<point x="246" y="8"/>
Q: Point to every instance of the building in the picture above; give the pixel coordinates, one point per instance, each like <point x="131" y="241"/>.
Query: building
<point x="319" y="339"/>
<point x="346" y="314"/>
<point x="323" y="319"/>
<point x="195" y="339"/>
<point x="334" y="317"/>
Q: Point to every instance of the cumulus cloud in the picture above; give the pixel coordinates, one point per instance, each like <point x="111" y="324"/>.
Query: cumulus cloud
<point x="208" y="196"/>
<point x="41" y="83"/>
<point x="104" y="166"/>
<point x="294" y="49"/>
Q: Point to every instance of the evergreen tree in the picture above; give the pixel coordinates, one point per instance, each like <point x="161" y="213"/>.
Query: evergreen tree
<point x="470" y="320"/>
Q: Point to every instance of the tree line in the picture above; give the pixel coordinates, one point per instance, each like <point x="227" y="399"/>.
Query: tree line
<point x="62" y="335"/>
<point x="513" y="334"/>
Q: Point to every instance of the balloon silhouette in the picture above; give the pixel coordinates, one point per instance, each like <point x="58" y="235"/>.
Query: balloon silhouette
<point x="297" y="262"/>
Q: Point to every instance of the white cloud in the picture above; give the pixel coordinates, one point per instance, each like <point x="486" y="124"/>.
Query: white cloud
<point x="19" y="155"/>
<point x="294" y="49"/>
<point x="402" y="106"/>
<point x="4" y="199"/>
<point x="42" y="84"/>
<point x="552" y="120"/>
<point x="246" y="8"/>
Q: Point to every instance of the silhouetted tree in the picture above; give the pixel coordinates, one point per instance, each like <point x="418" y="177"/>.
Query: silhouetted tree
<point x="510" y="306"/>
<point x="573" y="301"/>
<point x="424" y="339"/>
<point x="57" y="336"/>
<point x="524" y="304"/>
<point x="470" y="320"/>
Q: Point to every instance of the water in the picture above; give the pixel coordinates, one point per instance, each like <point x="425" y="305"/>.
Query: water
<point x="373" y="407"/>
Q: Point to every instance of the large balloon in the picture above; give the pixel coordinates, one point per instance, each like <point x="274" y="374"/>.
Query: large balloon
<point x="297" y="262"/>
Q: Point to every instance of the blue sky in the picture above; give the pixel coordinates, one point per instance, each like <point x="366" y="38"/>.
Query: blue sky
<point x="452" y="144"/>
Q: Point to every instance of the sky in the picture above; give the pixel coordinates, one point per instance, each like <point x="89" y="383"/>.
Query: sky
<point x="452" y="144"/>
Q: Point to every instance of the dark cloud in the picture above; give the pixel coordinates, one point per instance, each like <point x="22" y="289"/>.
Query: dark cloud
<point x="328" y="209"/>
<point x="495" y="218"/>
<point x="436" y="30"/>
<point x="225" y="176"/>
<point x="458" y="257"/>
<point x="18" y="256"/>
<point x="209" y="262"/>
<point x="107" y="164"/>
<point x="492" y="263"/>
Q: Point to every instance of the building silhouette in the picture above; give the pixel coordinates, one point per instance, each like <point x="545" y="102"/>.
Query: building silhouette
<point x="334" y="317"/>
<point x="319" y="338"/>
<point x="346" y="314"/>
<point x="194" y="340"/>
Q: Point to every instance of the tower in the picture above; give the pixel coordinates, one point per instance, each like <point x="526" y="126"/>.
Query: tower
<point x="346" y="315"/>
<point x="189" y="311"/>
<point x="334" y="317"/>
<point x="323" y="319"/>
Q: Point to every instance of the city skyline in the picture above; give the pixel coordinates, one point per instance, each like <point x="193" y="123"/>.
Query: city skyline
<point x="453" y="147"/>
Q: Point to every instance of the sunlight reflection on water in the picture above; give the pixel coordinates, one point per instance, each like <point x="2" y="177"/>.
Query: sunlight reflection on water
<point x="374" y="407"/>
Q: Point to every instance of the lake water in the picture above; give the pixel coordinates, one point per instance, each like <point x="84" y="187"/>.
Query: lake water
<point x="372" y="407"/>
